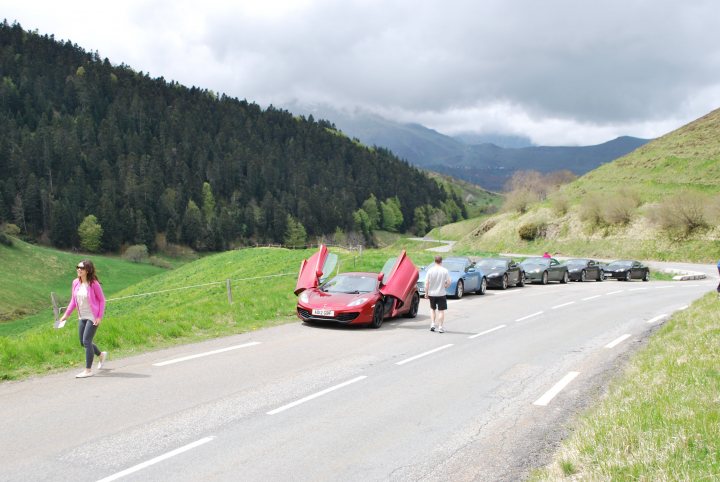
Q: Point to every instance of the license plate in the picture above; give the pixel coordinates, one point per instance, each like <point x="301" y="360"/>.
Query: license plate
<point x="323" y="312"/>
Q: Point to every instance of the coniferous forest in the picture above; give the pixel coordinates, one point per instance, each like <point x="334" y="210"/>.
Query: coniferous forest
<point x="82" y="137"/>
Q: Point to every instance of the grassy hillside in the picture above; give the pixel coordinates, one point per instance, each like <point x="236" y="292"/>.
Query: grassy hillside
<point x="643" y="205"/>
<point x="28" y="273"/>
<point x="182" y="305"/>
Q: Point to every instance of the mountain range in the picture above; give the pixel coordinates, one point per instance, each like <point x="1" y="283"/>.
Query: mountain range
<point x="486" y="160"/>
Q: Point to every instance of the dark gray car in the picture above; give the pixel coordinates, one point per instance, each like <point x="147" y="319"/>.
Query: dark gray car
<point x="542" y="270"/>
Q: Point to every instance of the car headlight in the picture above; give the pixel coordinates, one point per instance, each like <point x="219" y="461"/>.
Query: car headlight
<point x="358" y="301"/>
<point x="304" y="298"/>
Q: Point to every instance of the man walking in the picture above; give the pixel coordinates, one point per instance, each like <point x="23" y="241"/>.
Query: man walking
<point x="436" y="282"/>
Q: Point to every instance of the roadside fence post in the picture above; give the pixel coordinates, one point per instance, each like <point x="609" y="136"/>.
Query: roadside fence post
<point x="56" y="308"/>
<point x="229" y="290"/>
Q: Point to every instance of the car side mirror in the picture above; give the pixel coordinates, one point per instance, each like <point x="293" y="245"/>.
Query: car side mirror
<point x="471" y="270"/>
<point x="319" y="273"/>
<point x="381" y="276"/>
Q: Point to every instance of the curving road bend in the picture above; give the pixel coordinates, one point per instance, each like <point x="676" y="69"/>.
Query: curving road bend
<point x="487" y="400"/>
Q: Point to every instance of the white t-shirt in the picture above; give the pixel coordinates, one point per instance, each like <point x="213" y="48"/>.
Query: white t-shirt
<point x="435" y="280"/>
<point x="83" y="303"/>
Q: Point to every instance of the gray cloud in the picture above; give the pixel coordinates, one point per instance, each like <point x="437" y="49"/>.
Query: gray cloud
<point x="561" y="72"/>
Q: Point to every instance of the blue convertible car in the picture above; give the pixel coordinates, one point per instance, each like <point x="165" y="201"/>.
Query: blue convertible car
<point x="464" y="277"/>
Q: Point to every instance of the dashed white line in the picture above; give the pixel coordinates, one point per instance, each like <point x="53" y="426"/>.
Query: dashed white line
<point x="564" y="304"/>
<point x="614" y="292"/>
<point x="487" y="331"/>
<point x="591" y="297"/>
<point x="315" y="395"/>
<point x="160" y="458"/>
<point x="663" y="287"/>
<point x="615" y="343"/>
<point x="550" y="394"/>
<point x="657" y="318"/>
<point x="207" y="353"/>
<point x="430" y="352"/>
<point x="529" y="316"/>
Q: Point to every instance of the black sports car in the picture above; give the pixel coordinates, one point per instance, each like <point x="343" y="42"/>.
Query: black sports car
<point x="626" y="270"/>
<point x="544" y="269"/>
<point x="585" y="269"/>
<point x="502" y="272"/>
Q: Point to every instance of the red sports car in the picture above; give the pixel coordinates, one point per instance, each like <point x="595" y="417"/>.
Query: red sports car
<point x="356" y="298"/>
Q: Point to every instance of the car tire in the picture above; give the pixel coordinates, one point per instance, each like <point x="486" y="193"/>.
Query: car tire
<point x="565" y="278"/>
<point x="521" y="280"/>
<point x="583" y="276"/>
<point x="378" y="315"/>
<point x="414" y="305"/>
<point x="504" y="284"/>
<point x="628" y="276"/>
<point x="544" y="278"/>
<point x="483" y="286"/>
<point x="647" y="275"/>
<point x="601" y="275"/>
<point x="459" y="289"/>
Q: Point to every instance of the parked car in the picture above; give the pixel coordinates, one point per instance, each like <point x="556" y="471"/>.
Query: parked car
<point x="585" y="269"/>
<point x="356" y="297"/>
<point x="465" y="277"/>
<point x="626" y="270"/>
<point x="542" y="270"/>
<point x="501" y="272"/>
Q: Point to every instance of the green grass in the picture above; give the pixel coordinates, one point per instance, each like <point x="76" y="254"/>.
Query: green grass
<point x="28" y="273"/>
<point x="189" y="303"/>
<point x="661" y="420"/>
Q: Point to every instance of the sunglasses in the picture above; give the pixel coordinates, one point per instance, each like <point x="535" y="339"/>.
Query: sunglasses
<point x="80" y="267"/>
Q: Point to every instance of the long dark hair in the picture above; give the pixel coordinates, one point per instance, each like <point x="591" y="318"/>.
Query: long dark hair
<point x="89" y="271"/>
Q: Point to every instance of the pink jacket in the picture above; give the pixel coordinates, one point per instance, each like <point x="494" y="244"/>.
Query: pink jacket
<point x="96" y="297"/>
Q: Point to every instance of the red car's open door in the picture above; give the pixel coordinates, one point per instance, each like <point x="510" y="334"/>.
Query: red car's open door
<point x="318" y="266"/>
<point x="400" y="278"/>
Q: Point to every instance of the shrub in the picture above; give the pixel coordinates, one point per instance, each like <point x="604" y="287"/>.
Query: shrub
<point x="560" y="205"/>
<point x="619" y="209"/>
<point x="136" y="253"/>
<point x="683" y="213"/>
<point x="159" y="262"/>
<point x="591" y="209"/>
<point x="10" y="229"/>
<point x="520" y="200"/>
<point x="532" y="230"/>
<point x="5" y="239"/>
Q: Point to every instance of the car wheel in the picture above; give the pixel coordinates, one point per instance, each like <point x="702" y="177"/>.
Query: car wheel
<point x="647" y="275"/>
<point x="565" y="278"/>
<point x="483" y="287"/>
<point x="459" y="290"/>
<point x="521" y="280"/>
<point x="628" y="276"/>
<point x="601" y="275"/>
<point x="504" y="283"/>
<point x="377" y="319"/>
<point x="545" y="278"/>
<point x="414" y="304"/>
<point x="583" y="276"/>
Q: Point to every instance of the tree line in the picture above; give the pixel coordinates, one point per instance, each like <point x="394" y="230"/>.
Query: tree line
<point x="143" y="156"/>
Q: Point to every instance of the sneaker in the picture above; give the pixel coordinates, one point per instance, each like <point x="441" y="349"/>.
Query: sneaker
<point x="84" y="374"/>
<point x="103" y="357"/>
<point x="432" y="327"/>
<point x="440" y="330"/>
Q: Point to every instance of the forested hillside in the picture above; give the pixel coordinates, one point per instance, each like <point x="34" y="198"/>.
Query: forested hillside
<point x="81" y="136"/>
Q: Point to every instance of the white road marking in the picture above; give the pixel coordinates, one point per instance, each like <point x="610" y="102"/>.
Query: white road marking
<point x="207" y="353"/>
<point x="160" y="458"/>
<point x="663" y="287"/>
<point x="408" y="360"/>
<point x="316" y="395"/>
<point x="529" y="316"/>
<point x="657" y="318"/>
<point x="550" y="394"/>
<point x="683" y="307"/>
<point x="614" y="292"/>
<point x="637" y="289"/>
<point x="591" y="297"/>
<point x="615" y="343"/>
<point x="564" y="304"/>
<point x="487" y="331"/>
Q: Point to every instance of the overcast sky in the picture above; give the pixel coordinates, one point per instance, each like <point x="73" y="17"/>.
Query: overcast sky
<point x="560" y="72"/>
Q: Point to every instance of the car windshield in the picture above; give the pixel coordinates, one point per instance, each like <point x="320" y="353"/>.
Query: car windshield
<point x="542" y="262"/>
<point x="492" y="263"/>
<point x="576" y="262"/>
<point x="350" y="284"/>
<point x="619" y="264"/>
<point x="454" y="266"/>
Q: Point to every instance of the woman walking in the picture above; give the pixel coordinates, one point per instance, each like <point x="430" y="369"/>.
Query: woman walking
<point x="89" y="299"/>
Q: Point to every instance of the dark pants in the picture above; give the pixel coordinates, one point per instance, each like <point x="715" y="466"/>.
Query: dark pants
<point x="87" y="330"/>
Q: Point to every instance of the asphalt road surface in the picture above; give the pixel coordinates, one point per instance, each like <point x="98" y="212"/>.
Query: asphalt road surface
<point x="490" y="399"/>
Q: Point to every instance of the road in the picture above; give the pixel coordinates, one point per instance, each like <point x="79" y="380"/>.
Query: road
<point x="490" y="399"/>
